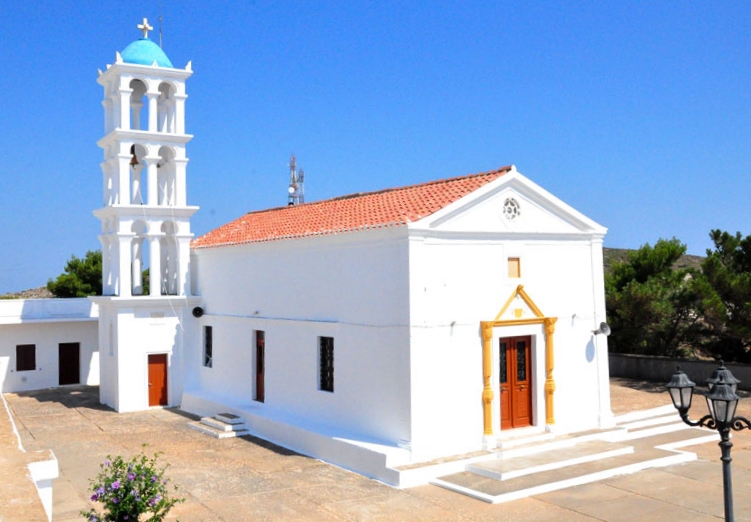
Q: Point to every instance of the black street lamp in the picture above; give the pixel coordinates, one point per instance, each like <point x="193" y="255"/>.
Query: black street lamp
<point x="722" y="402"/>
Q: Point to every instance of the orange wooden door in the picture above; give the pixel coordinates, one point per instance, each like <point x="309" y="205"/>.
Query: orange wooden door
<point x="515" y="376"/>
<point x="158" y="379"/>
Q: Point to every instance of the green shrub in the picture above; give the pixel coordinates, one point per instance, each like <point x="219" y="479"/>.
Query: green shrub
<point x="128" y="489"/>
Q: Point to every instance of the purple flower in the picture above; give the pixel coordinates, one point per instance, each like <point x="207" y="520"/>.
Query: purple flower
<point x="93" y="518"/>
<point x="152" y="501"/>
<point x="153" y="478"/>
<point x="131" y="476"/>
<point x="107" y="463"/>
<point x="100" y="491"/>
<point x="116" y="484"/>
<point x="94" y="497"/>
<point x="115" y="500"/>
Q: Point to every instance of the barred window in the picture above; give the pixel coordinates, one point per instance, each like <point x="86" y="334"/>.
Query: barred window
<point x="208" y="346"/>
<point x="326" y="363"/>
<point x="26" y="359"/>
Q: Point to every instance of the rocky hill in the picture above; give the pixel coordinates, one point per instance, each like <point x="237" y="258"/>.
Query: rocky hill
<point x="33" y="293"/>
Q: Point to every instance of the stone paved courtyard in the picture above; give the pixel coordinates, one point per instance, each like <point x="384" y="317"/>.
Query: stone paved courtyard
<point x="250" y="479"/>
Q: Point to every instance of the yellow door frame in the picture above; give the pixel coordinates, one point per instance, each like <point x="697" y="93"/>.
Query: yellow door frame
<point x="486" y="327"/>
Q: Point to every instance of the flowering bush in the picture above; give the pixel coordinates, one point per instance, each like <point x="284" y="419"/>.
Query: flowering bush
<point x="131" y="488"/>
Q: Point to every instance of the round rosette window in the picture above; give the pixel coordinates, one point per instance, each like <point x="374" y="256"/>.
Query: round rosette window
<point x="511" y="209"/>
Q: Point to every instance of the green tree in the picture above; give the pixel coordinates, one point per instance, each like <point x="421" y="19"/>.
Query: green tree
<point x="727" y="295"/>
<point x="82" y="277"/>
<point x="651" y="306"/>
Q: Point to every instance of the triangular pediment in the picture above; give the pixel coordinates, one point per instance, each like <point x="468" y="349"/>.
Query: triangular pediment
<point x="511" y="205"/>
<point x="519" y="306"/>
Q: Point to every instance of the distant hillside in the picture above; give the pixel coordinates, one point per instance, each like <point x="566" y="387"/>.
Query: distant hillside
<point x="619" y="255"/>
<point x="33" y="293"/>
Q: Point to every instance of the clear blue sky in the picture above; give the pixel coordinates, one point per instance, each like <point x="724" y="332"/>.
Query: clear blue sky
<point x="636" y="113"/>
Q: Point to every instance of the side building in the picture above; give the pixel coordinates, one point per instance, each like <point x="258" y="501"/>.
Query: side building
<point x="45" y="343"/>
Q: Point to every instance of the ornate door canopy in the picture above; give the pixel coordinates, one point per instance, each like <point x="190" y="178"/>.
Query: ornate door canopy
<point x="516" y="317"/>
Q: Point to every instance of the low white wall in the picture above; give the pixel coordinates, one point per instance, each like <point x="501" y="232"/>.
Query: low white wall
<point x="43" y="472"/>
<point x="661" y="369"/>
<point x="17" y="311"/>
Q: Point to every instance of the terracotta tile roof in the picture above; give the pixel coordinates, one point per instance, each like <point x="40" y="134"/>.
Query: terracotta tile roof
<point x="384" y="208"/>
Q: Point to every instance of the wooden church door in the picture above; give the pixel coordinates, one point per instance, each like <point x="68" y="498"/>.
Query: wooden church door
<point x="515" y="376"/>
<point x="158" y="379"/>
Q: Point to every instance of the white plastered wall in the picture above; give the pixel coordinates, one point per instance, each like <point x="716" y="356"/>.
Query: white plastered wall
<point x="130" y="330"/>
<point x="351" y="287"/>
<point x="457" y="284"/>
<point x="459" y="277"/>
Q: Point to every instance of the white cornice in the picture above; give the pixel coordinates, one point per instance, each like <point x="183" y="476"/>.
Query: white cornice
<point x="141" y="136"/>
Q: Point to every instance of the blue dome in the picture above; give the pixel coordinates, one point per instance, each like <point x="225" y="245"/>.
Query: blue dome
<point x="145" y="52"/>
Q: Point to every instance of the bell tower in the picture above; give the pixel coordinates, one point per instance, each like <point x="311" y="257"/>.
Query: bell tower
<point x="145" y="232"/>
<point x="144" y="204"/>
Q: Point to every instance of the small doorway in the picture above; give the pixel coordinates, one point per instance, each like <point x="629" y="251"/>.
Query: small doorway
<point x="515" y="376"/>
<point x="260" y="365"/>
<point x="69" y="359"/>
<point x="158" y="379"/>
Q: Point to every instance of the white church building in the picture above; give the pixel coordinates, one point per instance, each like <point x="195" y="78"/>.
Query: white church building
<point x="375" y="331"/>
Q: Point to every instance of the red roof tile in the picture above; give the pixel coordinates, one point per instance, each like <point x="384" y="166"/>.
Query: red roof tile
<point x="390" y="207"/>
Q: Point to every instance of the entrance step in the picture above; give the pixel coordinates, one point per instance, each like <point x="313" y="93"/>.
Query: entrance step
<point x="221" y="426"/>
<point x="549" y="465"/>
<point x="508" y="468"/>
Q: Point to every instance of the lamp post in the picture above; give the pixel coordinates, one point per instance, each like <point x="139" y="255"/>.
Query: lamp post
<point x="722" y="402"/>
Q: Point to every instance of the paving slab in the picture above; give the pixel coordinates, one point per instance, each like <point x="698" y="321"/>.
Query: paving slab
<point x="247" y="478"/>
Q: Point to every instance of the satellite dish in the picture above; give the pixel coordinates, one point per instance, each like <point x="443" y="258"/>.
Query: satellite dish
<point x="603" y="329"/>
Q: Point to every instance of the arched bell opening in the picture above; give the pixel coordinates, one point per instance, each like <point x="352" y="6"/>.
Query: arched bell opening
<point x="138" y="116"/>
<point x="166" y="176"/>
<point x="140" y="251"/>
<point x="168" y="249"/>
<point x="138" y="182"/>
<point x="166" y="108"/>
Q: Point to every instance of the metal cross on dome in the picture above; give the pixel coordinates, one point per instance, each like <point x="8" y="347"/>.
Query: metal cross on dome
<point x="145" y="27"/>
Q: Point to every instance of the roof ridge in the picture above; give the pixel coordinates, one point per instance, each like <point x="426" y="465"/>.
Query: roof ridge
<point x="396" y="206"/>
<point x="386" y="190"/>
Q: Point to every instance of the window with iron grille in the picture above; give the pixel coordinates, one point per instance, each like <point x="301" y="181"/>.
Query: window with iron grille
<point x="26" y="359"/>
<point x="208" y="346"/>
<point x="326" y="363"/>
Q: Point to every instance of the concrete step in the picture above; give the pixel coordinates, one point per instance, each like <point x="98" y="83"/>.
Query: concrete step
<point x="586" y="451"/>
<point x="671" y="418"/>
<point x="554" y="442"/>
<point x="229" y="418"/>
<point x="221" y="426"/>
<point x="506" y="479"/>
